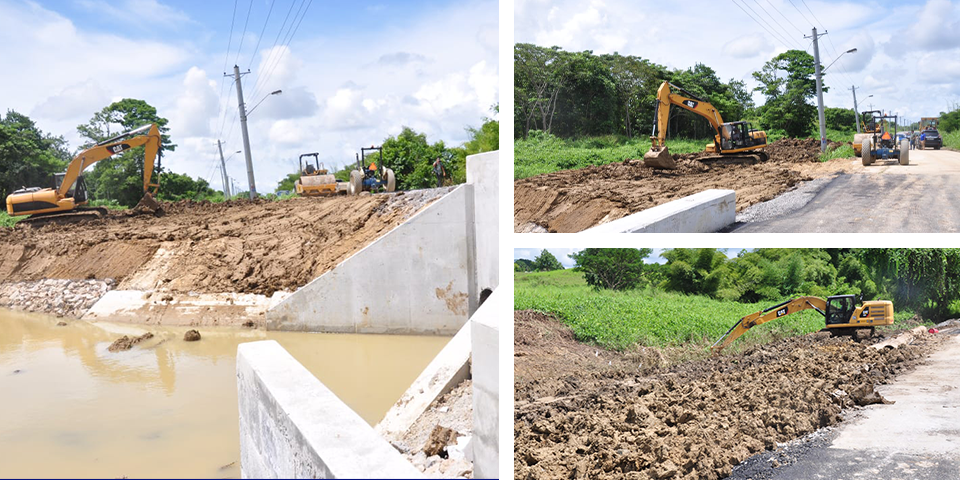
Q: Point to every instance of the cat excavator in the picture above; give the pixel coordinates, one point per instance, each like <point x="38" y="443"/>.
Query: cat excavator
<point x="731" y="143"/>
<point x="65" y="202"/>
<point x="841" y="313"/>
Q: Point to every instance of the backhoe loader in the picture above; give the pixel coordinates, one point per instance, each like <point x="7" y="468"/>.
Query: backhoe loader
<point x="841" y="313"/>
<point x="64" y="203"/>
<point x="731" y="141"/>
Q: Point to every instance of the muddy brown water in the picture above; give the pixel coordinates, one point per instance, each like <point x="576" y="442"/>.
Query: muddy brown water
<point x="166" y="408"/>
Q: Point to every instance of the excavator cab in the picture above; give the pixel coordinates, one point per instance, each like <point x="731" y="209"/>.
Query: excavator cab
<point x="738" y="135"/>
<point x="840" y="308"/>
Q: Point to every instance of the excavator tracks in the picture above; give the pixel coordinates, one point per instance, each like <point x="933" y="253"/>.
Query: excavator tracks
<point x="75" y="216"/>
<point x="741" y="159"/>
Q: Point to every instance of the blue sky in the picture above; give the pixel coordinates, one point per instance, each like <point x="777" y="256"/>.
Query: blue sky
<point x="352" y="74"/>
<point x="563" y="254"/>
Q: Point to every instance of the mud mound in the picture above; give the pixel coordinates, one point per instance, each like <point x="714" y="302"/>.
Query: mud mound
<point x="574" y="200"/>
<point x="239" y="246"/>
<point x="126" y="343"/>
<point x="697" y="420"/>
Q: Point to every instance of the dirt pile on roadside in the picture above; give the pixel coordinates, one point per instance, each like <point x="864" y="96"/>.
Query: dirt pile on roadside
<point x="238" y="246"/>
<point x="574" y="200"/>
<point x="698" y="419"/>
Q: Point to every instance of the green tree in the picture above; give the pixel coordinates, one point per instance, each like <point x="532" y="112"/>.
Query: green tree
<point x="120" y="177"/>
<point x="28" y="157"/>
<point x="694" y="271"/>
<point x="411" y="158"/>
<point x="289" y="182"/>
<point x="523" y="265"/>
<point x="177" y="186"/>
<point x="546" y="262"/>
<point x="840" y="119"/>
<point x="612" y="268"/>
<point x="787" y="106"/>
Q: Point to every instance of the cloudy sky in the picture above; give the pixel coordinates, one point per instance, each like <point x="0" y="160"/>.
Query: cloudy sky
<point x="908" y="52"/>
<point x="352" y="73"/>
<point x="563" y="254"/>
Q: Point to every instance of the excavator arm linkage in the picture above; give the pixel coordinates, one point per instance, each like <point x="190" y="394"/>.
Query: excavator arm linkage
<point x="771" y="313"/>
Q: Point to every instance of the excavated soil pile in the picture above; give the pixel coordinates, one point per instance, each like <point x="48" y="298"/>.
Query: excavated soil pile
<point x="574" y="200"/>
<point x="238" y="246"/>
<point x="693" y="420"/>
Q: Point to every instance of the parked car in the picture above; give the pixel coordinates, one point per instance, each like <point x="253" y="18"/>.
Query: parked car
<point x="932" y="139"/>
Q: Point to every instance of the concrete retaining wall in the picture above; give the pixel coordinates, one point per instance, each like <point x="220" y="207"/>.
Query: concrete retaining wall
<point x="450" y="367"/>
<point x="292" y="426"/>
<point x="413" y="280"/>
<point x="483" y="172"/>
<point x="705" y="212"/>
<point x="485" y="338"/>
<point x="423" y="277"/>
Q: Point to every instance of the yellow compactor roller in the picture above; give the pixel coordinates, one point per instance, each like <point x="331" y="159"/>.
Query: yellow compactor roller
<point x="315" y="180"/>
<point x="841" y="313"/>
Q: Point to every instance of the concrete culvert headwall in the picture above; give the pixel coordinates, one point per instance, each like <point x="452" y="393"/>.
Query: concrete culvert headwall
<point x="423" y="277"/>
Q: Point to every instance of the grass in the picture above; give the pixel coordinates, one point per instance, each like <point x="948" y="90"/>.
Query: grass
<point x="544" y="153"/>
<point x="951" y="140"/>
<point x="843" y="151"/>
<point x="649" y="317"/>
<point x="8" y="221"/>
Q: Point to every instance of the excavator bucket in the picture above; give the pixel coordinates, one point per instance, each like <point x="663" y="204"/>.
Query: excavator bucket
<point x="659" y="158"/>
<point x="148" y="204"/>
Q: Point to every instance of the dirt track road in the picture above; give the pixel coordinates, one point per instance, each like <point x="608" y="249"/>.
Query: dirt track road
<point x="916" y="437"/>
<point x="918" y="198"/>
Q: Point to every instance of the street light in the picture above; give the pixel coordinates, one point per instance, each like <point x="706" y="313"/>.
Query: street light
<point x="276" y="92"/>
<point x="852" y="50"/>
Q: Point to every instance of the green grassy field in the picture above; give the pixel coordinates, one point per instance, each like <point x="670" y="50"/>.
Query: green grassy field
<point x="544" y="153"/>
<point x="649" y="317"/>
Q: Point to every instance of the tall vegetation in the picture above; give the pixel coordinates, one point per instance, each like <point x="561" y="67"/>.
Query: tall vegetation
<point x="28" y="156"/>
<point x="575" y="94"/>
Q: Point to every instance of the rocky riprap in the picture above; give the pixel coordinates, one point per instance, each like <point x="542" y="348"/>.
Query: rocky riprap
<point x="63" y="298"/>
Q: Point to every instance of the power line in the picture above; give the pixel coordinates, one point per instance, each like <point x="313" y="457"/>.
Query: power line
<point x="222" y="109"/>
<point x="275" y="41"/>
<point x="785" y="18"/>
<point x="245" y="22"/>
<point x="287" y="42"/>
<point x="264" y="29"/>
<point x="782" y="30"/>
<point x="758" y="23"/>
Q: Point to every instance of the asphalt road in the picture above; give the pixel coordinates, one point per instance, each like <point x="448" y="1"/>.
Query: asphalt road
<point x="922" y="197"/>
<point x="917" y="437"/>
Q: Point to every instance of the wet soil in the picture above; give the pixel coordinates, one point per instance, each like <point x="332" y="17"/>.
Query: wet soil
<point x="238" y="246"/>
<point x="581" y="418"/>
<point x="126" y="343"/>
<point x="574" y="200"/>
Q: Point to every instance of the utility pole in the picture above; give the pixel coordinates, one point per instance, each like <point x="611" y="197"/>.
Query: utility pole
<point x="223" y="171"/>
<point x="246" y="136"/>
<point x="856" y="112"/>
<point x="816" y="63"/>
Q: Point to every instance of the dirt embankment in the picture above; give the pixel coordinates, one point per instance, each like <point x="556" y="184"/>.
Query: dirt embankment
<point x="574" y="200"/>
<point x="239" y="246"/>
<point x="600" y="419"/>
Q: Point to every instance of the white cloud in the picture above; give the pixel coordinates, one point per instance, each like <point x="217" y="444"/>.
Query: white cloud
<point x="195" y="106"/>
<point x="747" y="46"/>
<point x="937" y="27"/>
<point x="77" y="100"/>
<point x="156" y="12"/>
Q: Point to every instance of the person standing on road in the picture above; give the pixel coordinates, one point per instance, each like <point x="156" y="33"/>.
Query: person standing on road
<point x="923" y="138"/>
<point x="439" y="171"/>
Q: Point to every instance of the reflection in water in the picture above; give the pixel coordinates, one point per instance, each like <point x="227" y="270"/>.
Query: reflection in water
<point x="69" y="407"/>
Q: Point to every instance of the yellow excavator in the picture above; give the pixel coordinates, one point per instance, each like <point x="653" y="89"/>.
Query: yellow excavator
<point x="842" y="315"/>
<point x="64" y="203"/>
<point x="731" y="142"/>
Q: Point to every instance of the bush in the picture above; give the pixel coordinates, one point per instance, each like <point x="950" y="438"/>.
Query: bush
<point x="612" y="268"/>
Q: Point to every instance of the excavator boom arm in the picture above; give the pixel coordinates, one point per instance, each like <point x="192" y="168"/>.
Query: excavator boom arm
<point x="763" y="316"/>
<point x="665" y="98"/>
<point x="109" y="148"/>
